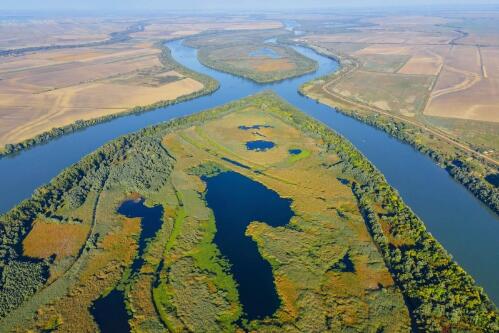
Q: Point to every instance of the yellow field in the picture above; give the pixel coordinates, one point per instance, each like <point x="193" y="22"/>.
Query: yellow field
<point x="47" y="239"/>
<point x="175" y="28"/>
<point x="55" y="88"/>
<point x="27" y="114"/>
<point x="47" y="31"/>
<point x="468" y="85"/>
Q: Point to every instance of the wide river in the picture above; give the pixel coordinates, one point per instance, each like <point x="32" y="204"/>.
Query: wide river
<point x="466" y="228"/>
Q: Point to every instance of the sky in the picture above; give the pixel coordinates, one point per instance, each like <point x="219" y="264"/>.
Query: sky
<point x="167" y="5"/>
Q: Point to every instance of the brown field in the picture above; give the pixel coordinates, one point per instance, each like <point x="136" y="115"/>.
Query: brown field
<point x="25" y="115"/>
<point x="52" y="89"/>
<point x="191" y="26"/>
<point x="270" y="65"/>
<point x="47" y="239"/>
<point x="478" y="102"/>
<point x="40" y="32"/>
<point x="421" y="66"/>
<point x="391" y="92"/>
<point x="468" y="86"/>
<point x="463" y="77"/>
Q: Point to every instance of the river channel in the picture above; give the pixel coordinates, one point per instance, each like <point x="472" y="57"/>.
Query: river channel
<point x="461" y="223"/>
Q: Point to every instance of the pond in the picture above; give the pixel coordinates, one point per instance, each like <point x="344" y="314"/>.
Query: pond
<point x="259" y="145"/>
<point x="237" y="201"/>
<point x="253" y="127"/>
<point x="150" y="223"/>
<point x="295" y="151"/>
<point x="110" y="313"/>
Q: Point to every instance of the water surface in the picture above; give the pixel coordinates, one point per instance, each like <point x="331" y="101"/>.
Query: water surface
<point x="259" y="145"/>
<point x="237" y="201"/>
<point x="464" y="226"/>
<point x="110" y="313"/>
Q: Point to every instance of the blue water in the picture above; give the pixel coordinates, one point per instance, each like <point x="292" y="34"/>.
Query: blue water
<point x="466" y="228"/>
<point x="259" y="145"/>
<point x="257" y="127"/>
<point x="294" y="151"/>
<point x="151" y="220"/>
<point x="110" y="313"/>
<point x="237" y="201"/>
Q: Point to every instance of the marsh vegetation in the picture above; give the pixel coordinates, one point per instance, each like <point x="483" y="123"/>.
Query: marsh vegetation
<point x="352" y="256"/>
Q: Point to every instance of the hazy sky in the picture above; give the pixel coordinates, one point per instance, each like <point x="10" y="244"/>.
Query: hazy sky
<point x="217" y="4"/>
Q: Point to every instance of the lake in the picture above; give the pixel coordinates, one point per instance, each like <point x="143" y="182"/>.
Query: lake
<point x="237" y="201"/>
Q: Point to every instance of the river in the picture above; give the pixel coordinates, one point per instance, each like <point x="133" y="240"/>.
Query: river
<point x="461" y="223"/>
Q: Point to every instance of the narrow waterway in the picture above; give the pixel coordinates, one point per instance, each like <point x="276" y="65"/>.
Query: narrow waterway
<point x="466" y="228"/>
<point x="110" y="311"/>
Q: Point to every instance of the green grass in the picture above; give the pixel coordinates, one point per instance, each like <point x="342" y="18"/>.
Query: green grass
<point x="301" y="156"/>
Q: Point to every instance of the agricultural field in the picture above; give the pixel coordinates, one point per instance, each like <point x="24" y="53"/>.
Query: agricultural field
<point x="431" y="70"/>
<point x="92" y="76"/>
<point x="22" y="32"/>
<point x="175" y="27"/>
<point x="251" y="55"/>
<point x="57" y="88"/>
<point x="142" y="233"/>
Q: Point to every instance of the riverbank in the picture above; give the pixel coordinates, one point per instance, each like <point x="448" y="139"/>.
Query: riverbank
<point x="458" y="160"/>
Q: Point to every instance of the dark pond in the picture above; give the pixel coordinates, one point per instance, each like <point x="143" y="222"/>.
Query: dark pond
<point x="259" y="145"/>
<point x="110" y="314"/>
<point x="294" y="151"/>
<point x="237" y="201"/>
<point x="265" y="52"/>
<point x="257" y="127"/>
<point x="493" y="179"/>
<point x="109" y="311"/>
<point x="150" y="223"/>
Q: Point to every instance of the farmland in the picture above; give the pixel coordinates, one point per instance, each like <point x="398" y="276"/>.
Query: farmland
<point x="432" y="70"/>
<point x="47" y="87"/>
<point x="339" y="262"/>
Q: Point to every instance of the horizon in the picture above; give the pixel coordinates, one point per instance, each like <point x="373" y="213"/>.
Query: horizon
<point x="127" y="6"/>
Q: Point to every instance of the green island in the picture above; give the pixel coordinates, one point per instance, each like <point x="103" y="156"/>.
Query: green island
<point x="353" y="256"/>
<point x="251" y="55"/>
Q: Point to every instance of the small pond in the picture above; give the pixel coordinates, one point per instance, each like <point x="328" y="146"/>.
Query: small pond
<point x="254" y="127"/>
<point x="295" y="151"/>
<point x="237" y="201"/>
<point x="259" y="145"/>
<point x="110" y="313"/>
